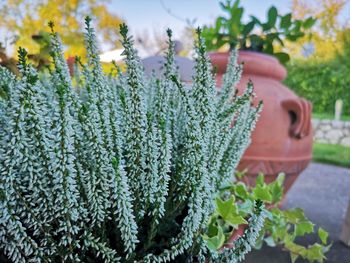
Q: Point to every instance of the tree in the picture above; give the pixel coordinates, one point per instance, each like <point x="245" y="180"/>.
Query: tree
<point x="23" y="18"/>
<point x="327" y="36"/>
<point x="326" y="11"/>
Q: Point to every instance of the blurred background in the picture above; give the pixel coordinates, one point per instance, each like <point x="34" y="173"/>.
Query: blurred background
<point x="323" y="53"/>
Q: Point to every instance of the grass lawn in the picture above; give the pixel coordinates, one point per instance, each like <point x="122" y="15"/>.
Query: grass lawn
<point x="332" y="154"/>
<point x="326" y="116"/>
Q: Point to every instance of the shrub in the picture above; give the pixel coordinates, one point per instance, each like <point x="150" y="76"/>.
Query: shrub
<point x="323" y="82"/>
<point x="109" y="169"/>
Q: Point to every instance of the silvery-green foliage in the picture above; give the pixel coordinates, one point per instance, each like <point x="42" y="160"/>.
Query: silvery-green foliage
<point x="105" y="168"/>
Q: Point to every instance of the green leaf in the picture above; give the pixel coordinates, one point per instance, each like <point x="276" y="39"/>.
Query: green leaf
<point x="248" y="28"/>
<point x="272" y="16"/>
<point x="309" y="22"/>
<point x="241" y="191"/>
<point x="235" y="220"/>
<point x="260" y="179"/>
<point x="295" y="35"/>
<point x="292" y="37"/>
<point x="212" y="226"/>
<point x="262" y="193"/>
<point x="240" y="174"/>
<point x="255" y="19"/>
<point x="228" y="211"/>
<point x="323" y="235"/>
<point x="235" y="23"/>
<point x="282" y="57"/>
<point x="286" y="21"/>
<point x="223" y="6"/>
<point x="315" y="253"/>
<point x="294" y="215"/>
<point x="215" y="242"/>
<point x="226" y="208"/>
<point x="293" y="257"/>
<point x="268" y="47"/>
<point x="218" y="23"/>
<point x="303" y="228"/>
<point x="294" y="248"/>
<point x="279" y="232"/>
<point x="276" y="191"/>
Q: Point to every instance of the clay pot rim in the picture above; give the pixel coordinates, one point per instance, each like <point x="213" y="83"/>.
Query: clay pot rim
<point x="280" y="159"/>
<point x="247" y="52"/>
<point x="256" y="63"/>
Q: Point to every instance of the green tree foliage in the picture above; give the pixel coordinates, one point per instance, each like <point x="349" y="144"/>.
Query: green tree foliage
<point x="323" y="81"/>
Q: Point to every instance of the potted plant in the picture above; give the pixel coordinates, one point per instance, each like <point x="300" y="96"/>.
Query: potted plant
<point x="105" y="168"/>
<point x="282" y="141"/>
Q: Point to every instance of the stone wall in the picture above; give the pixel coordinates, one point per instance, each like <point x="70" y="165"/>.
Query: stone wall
<point x="332" y="131"/>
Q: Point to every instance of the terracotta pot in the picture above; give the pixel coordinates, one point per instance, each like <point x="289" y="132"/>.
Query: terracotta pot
<point x="70" y="62"/>
<point x="235" y="235"/>
<point x="282" y="139"/>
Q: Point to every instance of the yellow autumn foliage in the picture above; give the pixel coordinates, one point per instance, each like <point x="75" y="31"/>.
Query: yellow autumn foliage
<point x="327" y="37"/>
<point x="25" y="18"/>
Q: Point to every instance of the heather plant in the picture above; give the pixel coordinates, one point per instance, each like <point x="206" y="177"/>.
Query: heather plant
<point x="104" y="168"/>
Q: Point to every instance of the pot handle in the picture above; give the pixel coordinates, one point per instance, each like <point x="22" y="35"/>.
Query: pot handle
<point x="299" y="111"/>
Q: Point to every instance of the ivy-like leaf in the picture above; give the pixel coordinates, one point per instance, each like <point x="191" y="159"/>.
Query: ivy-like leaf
<point x="323" y="235"/>
<point x="315" y="253"/>
<point x="226" y="208"/>
<point x="235" y="220"/>
<point x="294" y="257"/>
<point x="215" y="242"/>
<point x="228" y="211"/>
<point x="276" y="191"/>
<point x="305" y="227"/>
<point x="294" y="215"/>
<point x="262" y="193"/>
<point x="260" y="180"/>
<point x="241" y="191"/>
